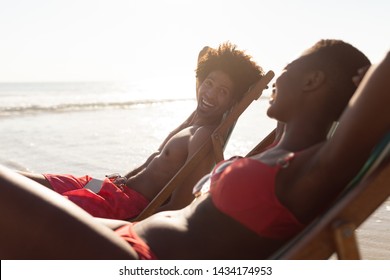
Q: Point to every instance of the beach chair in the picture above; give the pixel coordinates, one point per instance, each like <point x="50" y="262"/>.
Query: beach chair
<point x="215" y="144"/>
<point x="334" y="231"/>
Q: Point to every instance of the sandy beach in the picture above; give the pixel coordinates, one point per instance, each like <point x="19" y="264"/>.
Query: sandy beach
<point x="374" y="234"/>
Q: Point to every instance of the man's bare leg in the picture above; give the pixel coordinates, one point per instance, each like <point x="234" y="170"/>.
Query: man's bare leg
<point x="39" y="178"/>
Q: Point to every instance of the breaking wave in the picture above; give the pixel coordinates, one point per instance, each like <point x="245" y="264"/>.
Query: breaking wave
<point x="67" y="107"/>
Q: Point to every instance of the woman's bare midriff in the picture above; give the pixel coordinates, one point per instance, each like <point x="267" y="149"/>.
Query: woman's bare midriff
<point x="184" y="235"/>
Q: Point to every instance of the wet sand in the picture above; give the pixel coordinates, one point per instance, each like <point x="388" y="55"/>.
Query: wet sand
<point x="374" y="234"/>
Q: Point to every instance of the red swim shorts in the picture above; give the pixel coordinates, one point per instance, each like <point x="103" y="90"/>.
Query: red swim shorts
<point x="143" y="250"/>
<point x="109" y="202"/>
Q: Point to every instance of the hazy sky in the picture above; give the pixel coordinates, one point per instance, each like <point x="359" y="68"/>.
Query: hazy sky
<point x="89" y="40"/>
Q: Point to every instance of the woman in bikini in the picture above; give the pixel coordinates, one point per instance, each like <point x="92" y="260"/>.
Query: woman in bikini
<point x="254" y="204"/>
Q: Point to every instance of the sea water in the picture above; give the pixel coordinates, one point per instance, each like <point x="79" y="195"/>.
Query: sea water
<point x="97" y="128"/>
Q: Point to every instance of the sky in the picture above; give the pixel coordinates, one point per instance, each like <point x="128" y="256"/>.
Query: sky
<point x="133" y="40"/>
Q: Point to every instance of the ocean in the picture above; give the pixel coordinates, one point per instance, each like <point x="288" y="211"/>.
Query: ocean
<point x="97" y="128"/>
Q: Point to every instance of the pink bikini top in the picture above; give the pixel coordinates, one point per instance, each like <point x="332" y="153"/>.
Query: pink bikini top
<point x="244" y="189"/>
